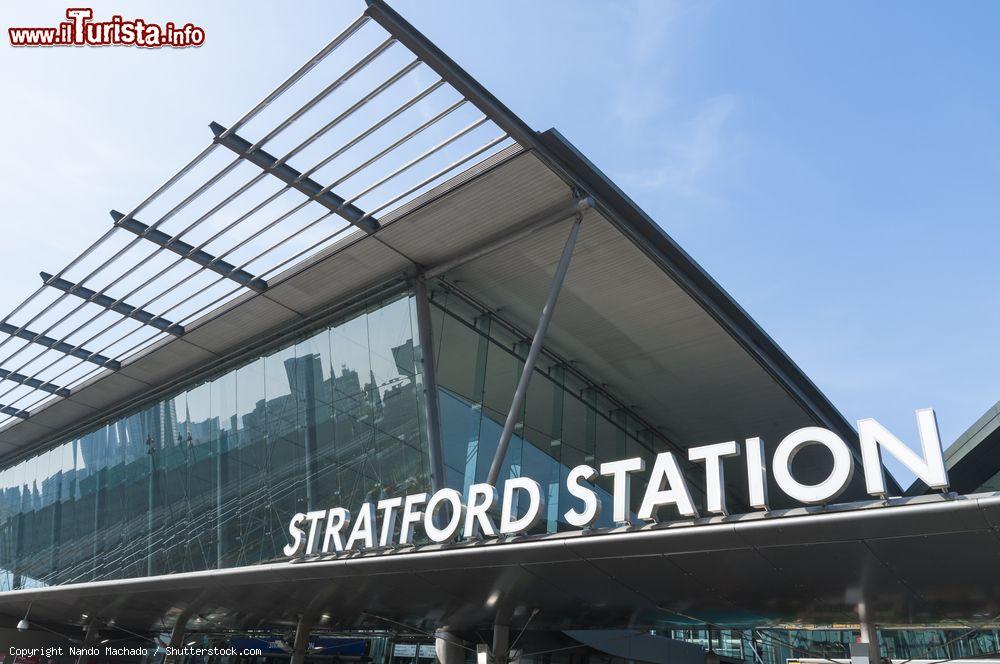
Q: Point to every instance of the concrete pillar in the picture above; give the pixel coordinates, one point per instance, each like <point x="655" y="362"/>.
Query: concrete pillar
<point x="301" y="641"/>
<point x="501" y="643"/>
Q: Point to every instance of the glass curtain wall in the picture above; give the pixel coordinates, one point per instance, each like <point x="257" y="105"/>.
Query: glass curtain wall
<point x="566" y="420"/>
<point x="779" y="646"/>
<point x="209" y="477"/>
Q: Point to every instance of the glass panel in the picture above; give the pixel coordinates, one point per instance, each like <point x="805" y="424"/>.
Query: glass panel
<point x="354" y="433"/>
<point x="208" y="478"/>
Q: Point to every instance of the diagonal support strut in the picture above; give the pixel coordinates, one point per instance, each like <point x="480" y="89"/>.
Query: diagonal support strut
<point x="514" y="414"/>
<point x="112" y="304"/>
<point x="190" y="252"/>
<point x="293" y="178"/>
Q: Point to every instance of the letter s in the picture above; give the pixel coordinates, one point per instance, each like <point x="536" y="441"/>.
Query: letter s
<point x="295" y="531"/>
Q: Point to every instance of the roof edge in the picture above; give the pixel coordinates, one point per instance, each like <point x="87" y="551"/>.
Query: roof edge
<point x="705" y="290"/>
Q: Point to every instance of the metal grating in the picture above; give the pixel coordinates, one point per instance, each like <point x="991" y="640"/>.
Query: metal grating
<point x="361" y="129"/>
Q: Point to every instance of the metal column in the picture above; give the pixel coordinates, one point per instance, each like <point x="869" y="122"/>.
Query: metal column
<point x="301" y="641"/>
<point x="501" y="643"/>
<point x="536" y="347"/>
<point x="869" y="634"/>
<point x="427" y="367"/>
<point x="176" y="638"/>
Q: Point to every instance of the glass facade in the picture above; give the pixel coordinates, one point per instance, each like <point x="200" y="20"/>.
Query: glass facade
<point x="566" y="420"/>
<point x="208" y="477"/>
<point x="779" y="646"/>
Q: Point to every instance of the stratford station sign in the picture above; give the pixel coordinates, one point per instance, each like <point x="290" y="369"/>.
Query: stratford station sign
<point x="447" y="515"/>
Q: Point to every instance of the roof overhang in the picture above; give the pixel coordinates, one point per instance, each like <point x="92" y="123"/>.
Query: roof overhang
<point x="636" y="314"/>
<point x="917" y="561"/>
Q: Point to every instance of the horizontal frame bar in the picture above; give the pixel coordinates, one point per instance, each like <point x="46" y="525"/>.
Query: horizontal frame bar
<point x="14" y="412"/>
<point x="15" y="377"/>
<point x="111" y="304"/>
<point x="293" y="178"/>
<point x="190" y="252"/>
<point x="61" y="346"/>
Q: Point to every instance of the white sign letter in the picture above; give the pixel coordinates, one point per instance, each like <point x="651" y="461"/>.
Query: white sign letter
<point x="715" y="474"/>
<point x="336" y="520"/>
<point x="448" y="531"/>
<point x="756" y="473"/>
<point x="313" y="518"/>
<point x="295" y="530"/>
<point x="410" y="517"/>
<point x="388" y="508"/>
<point x="591" y="505"/>
<point x="536" y="503"/>
<point x="665" y="468"/>
<point x="622" y="485"/>
<point x="364" y="528"/>
<point x="828" y="489"/>
<point x="477" y="518"/>
<point x="929" y="468"/>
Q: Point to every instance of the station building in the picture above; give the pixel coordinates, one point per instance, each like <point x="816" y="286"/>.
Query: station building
<point x="260" y="410"/>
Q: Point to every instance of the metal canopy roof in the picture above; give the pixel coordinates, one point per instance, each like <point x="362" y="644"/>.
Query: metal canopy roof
<point x="358" y="131"/>
<point x="913" y="561"/>
<point x="219" y="266"/>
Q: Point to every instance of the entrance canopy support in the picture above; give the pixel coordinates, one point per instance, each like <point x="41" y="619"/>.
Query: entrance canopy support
<point x="514" y="414"/>
<point x="301" y="640"/>
<point x="869" y="635"/>
<point x="501" y="643"/>
<point x="176" y="638"/>
<point x="577" y="207"/>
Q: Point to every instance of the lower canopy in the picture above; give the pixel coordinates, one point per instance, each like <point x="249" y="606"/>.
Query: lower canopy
<point x="912" y="561"/>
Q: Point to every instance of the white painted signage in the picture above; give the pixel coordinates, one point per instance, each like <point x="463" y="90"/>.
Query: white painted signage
<point x="447" y="515"/>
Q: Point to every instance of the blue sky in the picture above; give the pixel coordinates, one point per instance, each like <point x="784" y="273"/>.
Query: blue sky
<point x="835" y="166"/>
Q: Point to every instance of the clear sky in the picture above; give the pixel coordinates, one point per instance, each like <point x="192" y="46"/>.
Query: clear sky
<point x="834" y="165"/>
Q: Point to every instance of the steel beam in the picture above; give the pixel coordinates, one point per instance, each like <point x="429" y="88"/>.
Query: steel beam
<point x="61" y="346"/>
<point x="536" y="348"/>
<point x="34" y="383"/>
<point x="112" y="304"/>
<point x="15" y="412"/>
<point x="429" y="379"/>
<point x="546" y="219"/>
<point x="293" y="178"/>
<point x="190" y="252"/>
